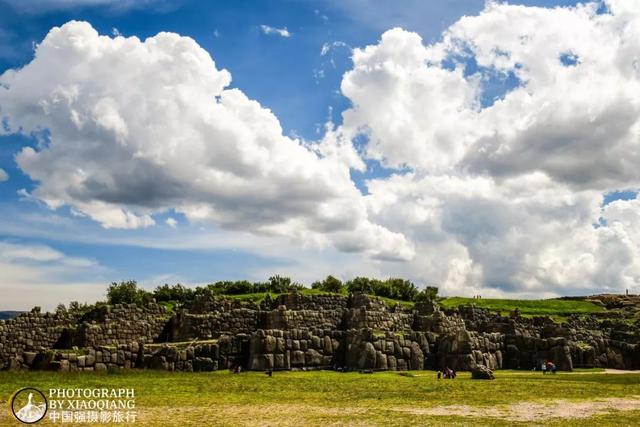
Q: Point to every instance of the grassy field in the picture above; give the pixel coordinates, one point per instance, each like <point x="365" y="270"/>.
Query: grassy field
<point x="332" y="398"/>
<point x="545" y="307"/>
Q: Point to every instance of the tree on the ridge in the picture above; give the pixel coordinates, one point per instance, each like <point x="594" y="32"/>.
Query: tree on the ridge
<point x="329" y="284"/>
<point x="127" y="292"/>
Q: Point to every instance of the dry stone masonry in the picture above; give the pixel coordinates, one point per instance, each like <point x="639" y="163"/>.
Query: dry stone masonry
<point x="296" y="331"/>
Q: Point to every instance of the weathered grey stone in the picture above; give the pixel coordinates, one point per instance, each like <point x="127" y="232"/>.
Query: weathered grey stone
<point x="481" y="372"/>
<point x="313" y="358"/>
<point x="28" y="357"/>
<point x="297" y="358"/>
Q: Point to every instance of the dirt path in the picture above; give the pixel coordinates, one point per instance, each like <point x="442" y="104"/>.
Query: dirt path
<point x="619" y="371"/>
<point x="535" y="411"/>
<point x="607" y="371"/>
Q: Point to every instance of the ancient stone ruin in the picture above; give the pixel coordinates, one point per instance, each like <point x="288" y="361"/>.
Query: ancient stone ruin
<point x="294" y="331"/>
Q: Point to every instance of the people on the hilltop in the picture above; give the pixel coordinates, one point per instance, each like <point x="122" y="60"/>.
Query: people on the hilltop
<point x="549" y="365"/>
<point x="544" y="368"/>
<point x="554" y="368"/>
<point x="439" y="374"/>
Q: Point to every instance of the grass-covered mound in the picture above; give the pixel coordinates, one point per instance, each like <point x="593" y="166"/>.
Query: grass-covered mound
<point x="544" y="307"/>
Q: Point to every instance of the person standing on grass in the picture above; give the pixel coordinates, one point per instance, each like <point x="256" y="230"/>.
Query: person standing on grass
<point x="544" y="368"/>
<point x="554" y="368"/>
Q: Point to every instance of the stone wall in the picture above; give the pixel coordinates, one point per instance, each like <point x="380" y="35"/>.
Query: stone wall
<point x="30" y="332"/>
<point x="284" y="319"/>
<point x="298" y="301"/>
<point x="297" y="331"/>
<point x="438" y="322"/>
<point x="358" y="318"/>
<point x="529" y="352"/>
<point x="366" y="350"/>
<point x="465" y="349"/>
<point x="187" y="326"/>
<point x="295" y="349"/>
<point x="121" y="324"/>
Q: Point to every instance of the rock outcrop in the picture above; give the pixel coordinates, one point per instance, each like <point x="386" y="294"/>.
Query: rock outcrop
<point x="481" y="372"/>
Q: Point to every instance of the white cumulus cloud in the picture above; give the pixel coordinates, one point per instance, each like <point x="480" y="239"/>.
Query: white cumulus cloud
<point x="139" y="127"/>
<point x="505" y="193"/>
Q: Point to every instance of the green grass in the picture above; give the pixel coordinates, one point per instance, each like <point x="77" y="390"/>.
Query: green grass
<point x="332" y="398"/>
<point x="392" y="302"/>
<point x="256" y="297"/>
<point x="547" y="307"/>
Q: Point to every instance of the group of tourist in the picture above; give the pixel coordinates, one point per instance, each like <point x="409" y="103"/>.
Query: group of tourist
<point x="447" y="374"/>
<point x="548" y="366"/>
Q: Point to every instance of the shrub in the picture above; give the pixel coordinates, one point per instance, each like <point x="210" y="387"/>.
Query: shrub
<point x="394" y="288"/>
<point x="329" y="284"/>
<point x="177" y="293"/>
<point x="78" y="309"/>
<point x="361" y="284"/>
<point x="279" y="284"/>
<point x="127" y="293"/>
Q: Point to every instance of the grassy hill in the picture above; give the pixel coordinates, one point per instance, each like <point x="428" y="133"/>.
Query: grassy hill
<point x="545" y="307"/>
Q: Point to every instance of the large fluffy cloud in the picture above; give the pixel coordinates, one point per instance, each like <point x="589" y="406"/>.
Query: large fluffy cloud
<point x="506" y="185"/>
<point x="575" y="114"/>
<point x="131" y="128"/>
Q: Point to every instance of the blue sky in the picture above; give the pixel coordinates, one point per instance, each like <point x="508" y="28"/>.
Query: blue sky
<point x="288" y="75"/>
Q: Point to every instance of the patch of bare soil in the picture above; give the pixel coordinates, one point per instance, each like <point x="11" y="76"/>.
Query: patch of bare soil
<point x="620" y="371"/>
<point x="535" y="411"/>
<point x="248" y="415"/>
